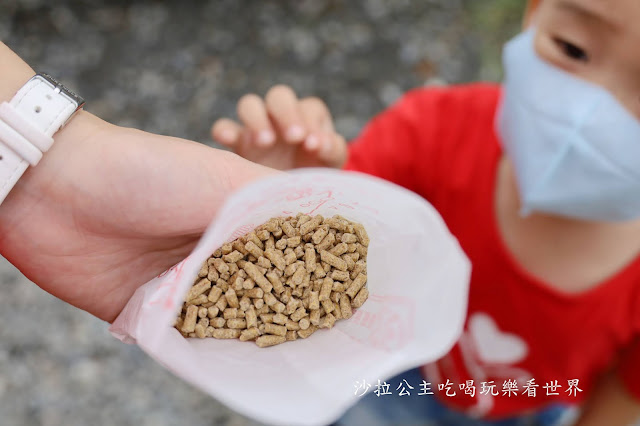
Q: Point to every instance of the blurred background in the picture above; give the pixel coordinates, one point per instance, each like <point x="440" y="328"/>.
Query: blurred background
<point x="172" y="68"/>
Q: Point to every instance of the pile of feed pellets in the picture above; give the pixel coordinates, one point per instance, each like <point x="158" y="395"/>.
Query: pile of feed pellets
<point x="282" y="281"/>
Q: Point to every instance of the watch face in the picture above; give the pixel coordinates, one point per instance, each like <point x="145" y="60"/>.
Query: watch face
<point x="77" y="99"/>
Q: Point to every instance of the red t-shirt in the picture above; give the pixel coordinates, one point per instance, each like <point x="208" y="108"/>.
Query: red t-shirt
<point x="441" y="144"/>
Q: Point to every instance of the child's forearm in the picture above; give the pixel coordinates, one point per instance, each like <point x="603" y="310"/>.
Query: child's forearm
<point x="611" y="404"/>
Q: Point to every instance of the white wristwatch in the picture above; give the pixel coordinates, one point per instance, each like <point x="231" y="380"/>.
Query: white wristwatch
<point x="27" y="125"/>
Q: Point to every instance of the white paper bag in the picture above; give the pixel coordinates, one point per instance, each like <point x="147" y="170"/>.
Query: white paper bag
<point x="417" y="277"/>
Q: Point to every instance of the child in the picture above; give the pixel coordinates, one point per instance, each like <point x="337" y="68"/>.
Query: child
<point x="540" y="181"/>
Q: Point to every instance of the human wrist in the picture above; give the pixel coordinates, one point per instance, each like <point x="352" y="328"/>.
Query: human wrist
<point x="13" y="75"/>
<point x="45" y="183"/>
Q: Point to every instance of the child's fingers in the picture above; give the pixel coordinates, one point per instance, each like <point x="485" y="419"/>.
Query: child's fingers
<point x="253" y="114"/>
<point x="333" y="150"/>
<point x="226" y="131"/>
<point x="317" y="120"/>
<point x="283" y="108"/>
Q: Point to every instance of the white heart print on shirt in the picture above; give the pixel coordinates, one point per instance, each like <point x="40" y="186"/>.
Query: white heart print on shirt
<point x="492" y="345"/>
<point x="488" y="353"/>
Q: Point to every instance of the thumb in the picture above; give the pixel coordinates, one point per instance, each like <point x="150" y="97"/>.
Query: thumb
<point x="224" y="173"/>
<point x="233" y="172"/>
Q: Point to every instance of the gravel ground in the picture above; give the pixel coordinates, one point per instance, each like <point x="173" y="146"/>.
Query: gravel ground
<point x="171" y="68"/>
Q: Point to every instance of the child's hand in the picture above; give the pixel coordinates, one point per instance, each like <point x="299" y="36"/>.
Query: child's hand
<point x="282" y="131"/>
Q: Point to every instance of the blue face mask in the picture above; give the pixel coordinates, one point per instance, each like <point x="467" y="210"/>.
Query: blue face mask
<point x="574" y="147"/>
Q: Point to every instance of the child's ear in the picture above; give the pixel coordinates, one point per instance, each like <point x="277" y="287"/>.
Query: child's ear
<point x="529" y="13"/>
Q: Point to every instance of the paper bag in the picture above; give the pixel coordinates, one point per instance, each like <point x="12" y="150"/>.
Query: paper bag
<point x="417" y="277"/>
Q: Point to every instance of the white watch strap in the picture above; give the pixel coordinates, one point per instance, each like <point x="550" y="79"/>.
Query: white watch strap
<point x="27" y="125"/>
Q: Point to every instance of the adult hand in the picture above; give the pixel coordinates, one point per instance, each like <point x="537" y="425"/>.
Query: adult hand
<point x="109" y="208"/>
